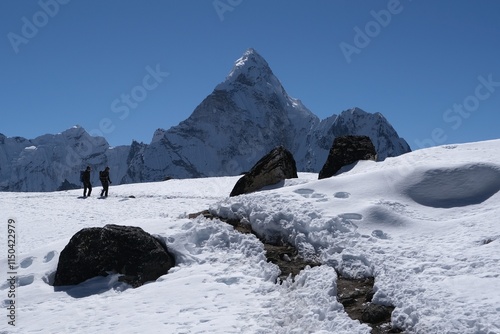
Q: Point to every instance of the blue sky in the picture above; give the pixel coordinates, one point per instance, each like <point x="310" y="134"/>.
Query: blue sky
<point x="432" y="68"/>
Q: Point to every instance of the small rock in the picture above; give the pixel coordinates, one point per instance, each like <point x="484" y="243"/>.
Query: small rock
<point x="374" y="313"/>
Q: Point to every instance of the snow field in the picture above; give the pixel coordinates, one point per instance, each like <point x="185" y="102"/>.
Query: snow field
<point x="424" y="224"/>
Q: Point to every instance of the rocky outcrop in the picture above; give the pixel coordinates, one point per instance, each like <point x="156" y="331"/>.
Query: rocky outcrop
<point x="126" y="250"/>
<point x="274" y="167"/>
<point x="345" y="151"/>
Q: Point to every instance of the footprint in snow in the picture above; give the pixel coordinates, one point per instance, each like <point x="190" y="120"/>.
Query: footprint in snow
<point x="310" y="193"/>
<point x="341" y="194"/>
<point x="304" y="192"/>
<point x="25" y="279"/>
<point x="21" y="280"/>
<point x="49" y="256"/>
<point x="353" y="216"/>
<point x="319" y="197"/>
<point x="25" y="263"/>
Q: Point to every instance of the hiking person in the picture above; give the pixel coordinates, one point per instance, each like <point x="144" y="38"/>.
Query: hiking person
<point x="105" y="181"/>
<point x="86" y="182"/>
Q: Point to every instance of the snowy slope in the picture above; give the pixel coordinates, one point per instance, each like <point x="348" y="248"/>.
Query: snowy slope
<point x="425" y="224"/>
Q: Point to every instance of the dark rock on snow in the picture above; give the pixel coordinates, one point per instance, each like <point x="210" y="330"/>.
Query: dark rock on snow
<point x="127" y="250"/>
<point x="345" y="151"/>
<point x="274" y="167"/>
<point x="373" y="313"/>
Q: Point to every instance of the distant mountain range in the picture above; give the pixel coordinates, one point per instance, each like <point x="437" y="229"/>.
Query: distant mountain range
<point x="244" y="118"/>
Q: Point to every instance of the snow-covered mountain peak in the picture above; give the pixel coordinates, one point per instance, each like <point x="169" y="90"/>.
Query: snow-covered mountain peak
<point x="251" y="62"/>
<point x="251" y="70"/>
<point x="356" y="115"/>
<point x="251" y="55"/>
<point x="75" y="130"/>
<point x="355" y="112"/>
<point x="383" y="135"/>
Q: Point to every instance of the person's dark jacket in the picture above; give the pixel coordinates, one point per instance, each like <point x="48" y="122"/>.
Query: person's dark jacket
<point x="104" y="176"/>
<point x="86" y="176"/>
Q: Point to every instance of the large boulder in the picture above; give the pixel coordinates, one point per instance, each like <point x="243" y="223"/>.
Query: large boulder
<point x="127" y="250"/>
<point x="274" y="167"/>
<point x="345" y="151"/>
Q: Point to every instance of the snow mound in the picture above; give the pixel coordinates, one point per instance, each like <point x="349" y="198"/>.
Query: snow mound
<point x="455" y="186"/>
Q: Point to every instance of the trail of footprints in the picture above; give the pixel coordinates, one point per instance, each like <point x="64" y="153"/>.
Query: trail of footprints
<point x="311" y="193"/>
<point x="24" y="265"/>
<point x="348" y="216"/>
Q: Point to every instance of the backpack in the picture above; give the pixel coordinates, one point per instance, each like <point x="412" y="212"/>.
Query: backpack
<point x="81" y="175"/>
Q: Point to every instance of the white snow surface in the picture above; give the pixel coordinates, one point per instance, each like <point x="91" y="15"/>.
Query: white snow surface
<point x="424" y="224"/>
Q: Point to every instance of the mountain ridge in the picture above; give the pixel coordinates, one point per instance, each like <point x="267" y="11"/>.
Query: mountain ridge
<point x="245" y="116"/>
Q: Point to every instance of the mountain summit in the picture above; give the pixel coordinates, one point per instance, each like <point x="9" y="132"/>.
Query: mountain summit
<point x="245" y="117"/>
<point x="250" y="70"/>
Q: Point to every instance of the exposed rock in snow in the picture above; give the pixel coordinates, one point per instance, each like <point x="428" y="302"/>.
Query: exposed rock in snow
<point x="347" y="150"/>
<point x="274" y="167"/>
<point x="126" y="250"/>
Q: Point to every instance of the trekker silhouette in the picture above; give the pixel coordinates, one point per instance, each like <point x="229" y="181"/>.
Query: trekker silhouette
<point x="105" y="181"/>
<point x="86" y="182"/>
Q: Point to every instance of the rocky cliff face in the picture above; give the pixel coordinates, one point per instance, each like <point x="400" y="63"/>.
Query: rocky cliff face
<point x="246" y="116"/>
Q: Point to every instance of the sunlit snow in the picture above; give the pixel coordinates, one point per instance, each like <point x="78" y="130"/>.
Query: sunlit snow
<point x="424" y="224"/>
